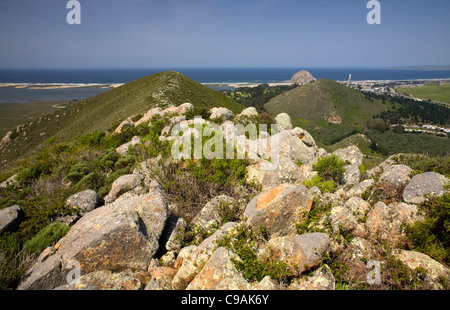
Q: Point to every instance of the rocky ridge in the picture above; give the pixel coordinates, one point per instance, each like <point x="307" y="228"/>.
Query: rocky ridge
<point x="133" y="242"/>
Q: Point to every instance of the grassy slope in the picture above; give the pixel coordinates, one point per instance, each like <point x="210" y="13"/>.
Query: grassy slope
<point x="439" y="93"/>
<point x="15" y="114"/>
<point x="309" y="107"/>
<point x="99" y="113"/>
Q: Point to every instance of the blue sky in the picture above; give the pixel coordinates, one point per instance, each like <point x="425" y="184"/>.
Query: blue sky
<point x="223" y="33"/>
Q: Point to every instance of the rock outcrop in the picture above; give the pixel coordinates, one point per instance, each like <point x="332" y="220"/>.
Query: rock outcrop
<point x="279" y="209"/>
<point x="83" y="202"/>
<point x="120" y="236"/>
<point x="302" y="77"/>
<point x="10" y="218"/>
<point x="320" y="237"/>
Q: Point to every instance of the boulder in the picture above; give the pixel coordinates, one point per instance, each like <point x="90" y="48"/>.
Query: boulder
<point x="148" y="115"/>
<point x="122" y="185"/>
<point x="397" y="175"/>
<point x="342" y="217"/>
<point x="435" y="270"/>
<point x="377" y="219"/>
<point x="10" y="218"/>
<point x="177" y="120"/>
<point x="300" y="251"/>
<point x="352" y="175"/>
<point x="161" y="276"/>
<point x="219" y="273"/>
<point x="321" y="280"/>
<point x="350" y="154"/>
<point x="105" y="280"/>
<point x="117" y="237"/>
<point x="283" y="121"/>
<point x="429" y="183"/>
<point x="84" y="202"/>
<point x="211" y="213"/>
<point x="126" y="123"/>
<point x="388" y="222"/>
<point x="174" y="241"/>
<point x="304" y="136"/>
<point x="285" y="172"/>
<point x="249" y="112"/>
<point x="123" y="149"/>
<point x="286" y="144"/>
<point x="358" y="207"/>
<point x="302" y="77"/>
<point x="279" y="209"/>
<point x="184" y="108"/>
<point x="266" y="284"/>
<point x="221" y="113"/>
<point x="360" y="188"/>
<point x="191" y="259"/>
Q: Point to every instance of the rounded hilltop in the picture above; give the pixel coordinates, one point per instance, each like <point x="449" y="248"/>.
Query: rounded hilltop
<point x="303" y="77"/>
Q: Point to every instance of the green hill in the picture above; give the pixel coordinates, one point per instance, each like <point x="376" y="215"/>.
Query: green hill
<point x="101" y="112"/>
<point x="327" y="109"/>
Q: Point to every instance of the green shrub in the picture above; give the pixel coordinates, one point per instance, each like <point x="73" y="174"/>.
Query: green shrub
<point x="330" y="168"/>
<point x="46" y="237"/>
<point x="421" y="163"/>
<point x="244" y="243"/>
<point x="324" y="186"/>
<point x="432" y="235"/>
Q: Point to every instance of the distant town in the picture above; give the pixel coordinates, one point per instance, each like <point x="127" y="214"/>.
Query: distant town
<point x="389" y="88"/>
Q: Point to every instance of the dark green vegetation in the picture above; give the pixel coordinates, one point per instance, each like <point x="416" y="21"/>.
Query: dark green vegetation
<point x="432" y="235"/>
<point x="337" y="116"/>
<point x="243" y="242"/>
<point x="440" y="93"/>
<point x="409" y="111"/>
<point x="421" y="163"/>
<point x="330" y="171"/>
<point x="103" y="111"/>
<point x="257" y="96"/>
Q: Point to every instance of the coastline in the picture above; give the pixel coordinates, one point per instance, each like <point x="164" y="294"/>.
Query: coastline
<point x="50" y="86"/>
<point x="37" y="86"/>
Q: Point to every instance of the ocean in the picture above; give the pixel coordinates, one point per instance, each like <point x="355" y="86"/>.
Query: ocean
<point x="96" y="81"/>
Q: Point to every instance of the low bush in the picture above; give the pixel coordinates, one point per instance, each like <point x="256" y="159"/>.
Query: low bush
<point x="432" y="235"/>
<point x="243" y="242"/>
<point x="46" y="237"/>
<point x="324" y="186"/>
<point x="330" y="168"/>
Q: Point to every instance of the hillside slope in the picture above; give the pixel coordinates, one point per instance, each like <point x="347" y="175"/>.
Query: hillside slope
<point x="101" y="112"/>
<point x="326" y="108"/>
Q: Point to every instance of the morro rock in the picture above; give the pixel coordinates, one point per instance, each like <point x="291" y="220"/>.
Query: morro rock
<point x="303" y="77"/>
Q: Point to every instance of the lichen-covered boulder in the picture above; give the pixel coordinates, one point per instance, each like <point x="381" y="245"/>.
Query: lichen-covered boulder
<point x="221" y="113"/>
<point x="121" y="185"/>
<point x="10" y="218"/>
<point x="301" y="251"/>
<point x="429" y="183"/>
<point x="352" y="154"/>
<point x="84" y="201"/>
<point x="120" y="236"/>
<point x="279" y="209"/>
<point x="211" y="213"/>
<point x="283" y="121"/>
<point x="219" y="273"/>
